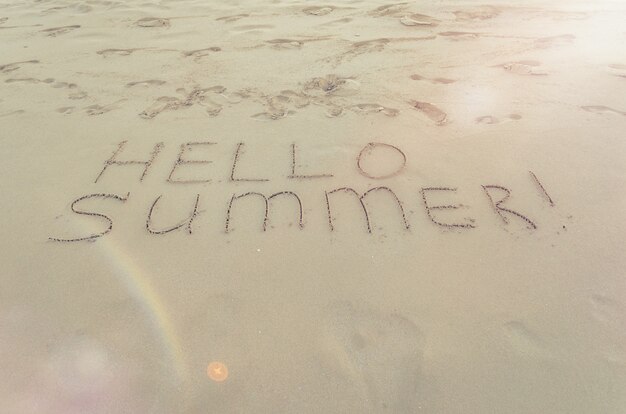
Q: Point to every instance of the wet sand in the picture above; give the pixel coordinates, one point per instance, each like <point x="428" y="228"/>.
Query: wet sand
<point x="286" y="206"/>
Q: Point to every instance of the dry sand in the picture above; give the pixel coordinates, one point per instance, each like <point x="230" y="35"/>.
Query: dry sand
<point x="483" y="272"/>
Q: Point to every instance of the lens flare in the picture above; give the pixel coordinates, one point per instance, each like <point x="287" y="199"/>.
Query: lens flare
<point x="217" y="371"/>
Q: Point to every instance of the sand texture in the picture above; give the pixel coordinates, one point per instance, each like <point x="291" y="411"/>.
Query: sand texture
<point x="286" y="206"/>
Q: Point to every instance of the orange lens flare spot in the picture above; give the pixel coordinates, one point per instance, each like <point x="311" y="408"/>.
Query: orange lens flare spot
<point x="217" y="371"/>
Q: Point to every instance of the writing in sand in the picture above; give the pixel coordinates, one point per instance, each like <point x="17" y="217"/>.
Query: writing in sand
<point x="369" y="164"/>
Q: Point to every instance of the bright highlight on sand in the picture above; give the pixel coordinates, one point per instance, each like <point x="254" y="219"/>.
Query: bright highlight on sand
<point x="217" y="371"/>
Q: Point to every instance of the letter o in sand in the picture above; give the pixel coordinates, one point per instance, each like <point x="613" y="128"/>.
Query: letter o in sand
<point x="217" y="371"/>
<point x="380" y="170"/>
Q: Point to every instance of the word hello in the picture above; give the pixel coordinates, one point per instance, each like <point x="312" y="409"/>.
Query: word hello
<point x="497" y="195"/>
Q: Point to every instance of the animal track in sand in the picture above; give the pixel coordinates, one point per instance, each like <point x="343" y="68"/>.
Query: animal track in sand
<point x="599" y="109"/>
<point x="381" y="353"/>
<point x="433" y="80"/>
<point x="10" y="67"/>
<point x="3" y="20"/>
<point x="150" y="82"/>
<point x="153" y="22"/>
<point x="433" y="113"/>
<point x="57" y="31"/>
<point x="417" y="19"/>
<point x="318" y="10"/>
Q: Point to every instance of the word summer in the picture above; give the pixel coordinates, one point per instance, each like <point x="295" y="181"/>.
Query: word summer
<point x="368" y="162"/>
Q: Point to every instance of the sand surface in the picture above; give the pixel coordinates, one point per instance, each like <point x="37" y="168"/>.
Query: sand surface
<point x="347" y="207"/>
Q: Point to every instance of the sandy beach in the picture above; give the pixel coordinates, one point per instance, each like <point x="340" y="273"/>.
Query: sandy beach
<point x="298" y="207"/>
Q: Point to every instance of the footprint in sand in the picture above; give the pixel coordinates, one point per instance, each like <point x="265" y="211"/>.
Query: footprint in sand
<point x="370" y="46"/>
<point x="17" y="112"/>
<point x="609" y="312"/>
<point x="252" y="28"/>
<point x="523" y="340"/>
<point x="333" y="111"/>
<point x="163" y="103"/>
<point x="492" y="120"/>
<point x="617" y="69"/>
<point x="435" y="114"/>
<point x="10" y="67"/>
<point x="273" y="114"/>
<point x="22" y="80"/>
<point x="77" y="95"/>
<point x="232" y="18"/>
<point x="478" y="13"/>
<point x="599" y="109"/>
<point x="59" y="85"/>
<point x="299" y="100"/>
<point x="200" y="53"/>
<point x="153" y="22"/>
<point x="393" y="10"/>
<point x="487" y="119"/>
<point x="57" y="31"/>
<point x="368" y="108"/>
<point x="380" y="353"/>
<point x="457" y="36"/>
<point x="116" y="52"/>
<point x="523" y="67"/>
<point x="276" y="107"/>
<point x="285" y="43"/>
<point x="417" y="19"/>
<point x="150" y="82"/>
<point x="318" y="10"/>
<point x="342" y="21"/>
<point x="3" y="20"/>
<point x="294" y="43"/>
<point x="66" y="110"/>
<point x="444" y="81"/>
<point x="94" y="110"/>
<point x="332" y="85"/>
<point x="553" y="41"/>
<point x="199" y="96"/>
